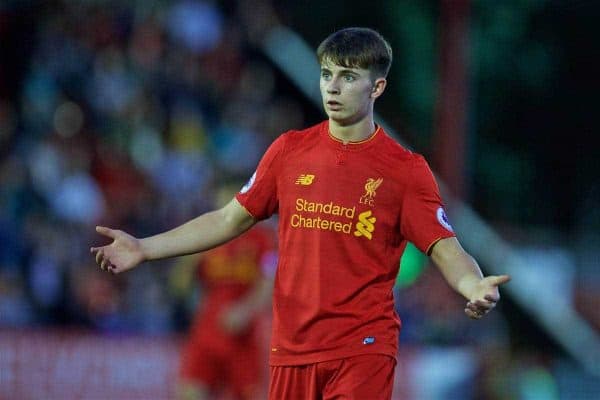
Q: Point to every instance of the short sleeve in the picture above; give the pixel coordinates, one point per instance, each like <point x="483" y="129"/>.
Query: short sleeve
<point x="259" y="194"/>
<point x="423" y="219"/>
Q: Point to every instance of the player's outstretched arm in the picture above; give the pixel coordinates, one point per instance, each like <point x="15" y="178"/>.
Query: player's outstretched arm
<point x="464" y="275"/>
<point x="202" y="233"/>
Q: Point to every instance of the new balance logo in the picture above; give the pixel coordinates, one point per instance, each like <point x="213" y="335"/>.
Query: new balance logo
<point x="365" y="225"/>
<point x="305" y="179"/>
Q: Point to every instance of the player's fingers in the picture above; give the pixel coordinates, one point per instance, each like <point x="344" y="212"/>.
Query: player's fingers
<point x="472" y="314"/>
<point x="106" y="231"/>
<point x="99" y="256"/>
<point x="105" y="264"/>
<point x="478" y="309"/>
<point x="499" y="280"/>
<point x="478" y="305"/>
<point x="485" y="305"/>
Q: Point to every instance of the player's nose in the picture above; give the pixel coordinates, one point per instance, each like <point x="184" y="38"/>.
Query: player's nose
<point x="333" y="87"/>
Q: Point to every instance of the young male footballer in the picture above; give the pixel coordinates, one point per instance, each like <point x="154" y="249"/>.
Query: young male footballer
<point x="349" y="198"/>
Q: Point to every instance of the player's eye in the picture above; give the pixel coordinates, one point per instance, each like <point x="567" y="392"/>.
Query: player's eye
<point x="325" y="75"/>
<point x="349" y="78"/>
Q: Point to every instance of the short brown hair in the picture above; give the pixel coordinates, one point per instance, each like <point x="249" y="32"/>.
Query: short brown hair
<point x="357" y="48"/>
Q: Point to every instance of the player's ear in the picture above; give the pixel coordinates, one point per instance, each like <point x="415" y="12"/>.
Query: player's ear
<point x="378" y="87"/>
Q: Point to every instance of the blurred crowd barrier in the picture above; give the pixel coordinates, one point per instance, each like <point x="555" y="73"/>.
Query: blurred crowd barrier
<point x="67" y="364"/>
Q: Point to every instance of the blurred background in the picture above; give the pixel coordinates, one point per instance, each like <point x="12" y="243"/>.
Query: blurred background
<point x="131" y="114"/>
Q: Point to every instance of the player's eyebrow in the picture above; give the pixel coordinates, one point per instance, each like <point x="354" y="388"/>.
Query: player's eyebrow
<point x="349" y="72"/>
<point x="342" y="71"/>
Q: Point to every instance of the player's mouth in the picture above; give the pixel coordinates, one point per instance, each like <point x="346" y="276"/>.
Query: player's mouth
<point x="334" y="105"/>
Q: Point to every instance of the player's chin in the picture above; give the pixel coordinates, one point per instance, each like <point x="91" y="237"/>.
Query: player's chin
<point x="341" y="119"/>
<point x="333" y="115"/>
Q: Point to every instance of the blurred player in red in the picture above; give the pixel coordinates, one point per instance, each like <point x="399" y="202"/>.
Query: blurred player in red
<point x="222" y="353"/>
<point x="349" y="198"/>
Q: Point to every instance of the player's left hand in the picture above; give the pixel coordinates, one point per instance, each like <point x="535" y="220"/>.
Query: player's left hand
<point x="485" y="296"/>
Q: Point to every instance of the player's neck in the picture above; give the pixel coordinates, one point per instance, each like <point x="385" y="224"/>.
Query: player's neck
<point x="357" y="132"/>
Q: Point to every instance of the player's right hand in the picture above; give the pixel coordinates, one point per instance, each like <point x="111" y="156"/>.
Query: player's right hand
<point x="124" y="253"/>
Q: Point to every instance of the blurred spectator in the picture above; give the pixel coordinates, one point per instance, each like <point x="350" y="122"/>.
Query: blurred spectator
<point x="224" y="351"/>
<point x="8" y="125"/>
<point x="197" y="25"/>
<point x="15" y="309"/>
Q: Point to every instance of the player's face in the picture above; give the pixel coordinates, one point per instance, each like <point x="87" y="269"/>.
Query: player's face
<point x="348" y="93"/>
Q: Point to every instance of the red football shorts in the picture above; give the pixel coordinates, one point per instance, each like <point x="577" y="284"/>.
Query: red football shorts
<point x="233" y="366"/>
<point x="364" y="377"/>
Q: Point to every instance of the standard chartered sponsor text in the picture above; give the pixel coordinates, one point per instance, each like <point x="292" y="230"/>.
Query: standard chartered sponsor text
<point x="325" y="208"/>
<point x="305" y="207"/>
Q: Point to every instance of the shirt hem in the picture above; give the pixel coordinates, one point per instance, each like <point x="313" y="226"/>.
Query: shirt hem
<point x="312" y="358"/>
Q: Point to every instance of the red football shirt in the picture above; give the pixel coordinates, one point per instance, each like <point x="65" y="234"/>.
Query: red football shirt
<point x="346" y="212"/>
